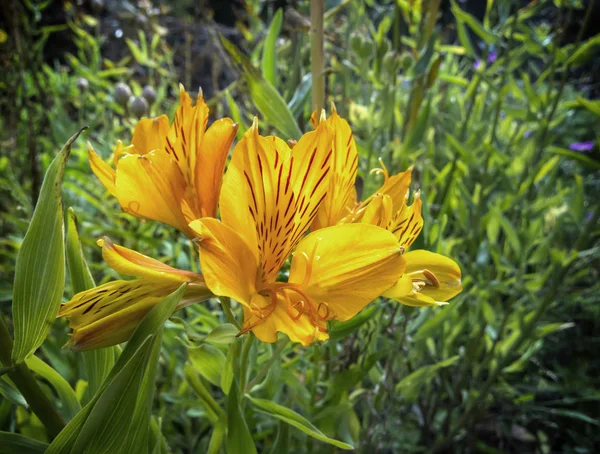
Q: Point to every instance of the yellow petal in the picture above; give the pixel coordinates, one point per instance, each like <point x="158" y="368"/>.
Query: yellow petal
<point x="211" y="164"/>
<point x="150" y="134"/>
<point x="105" y="173"/>
<point x="402" y="287"/>
<point x="341" y="194"/>
<point x="346" y="266"/>
<point x="186" y="134"/>
<point x="151" y="186"/>
<point x="271" y="195"/>
<point x="266" y="319"/>
<point x="108" y="314"/>
<point x="407" y="223"/>
<point x="379" y="211"/>
<point x="435" y="278"/>
<point x="131" y="263"/>
<point x="441" y="274"/>
<point x="227" y="263"/>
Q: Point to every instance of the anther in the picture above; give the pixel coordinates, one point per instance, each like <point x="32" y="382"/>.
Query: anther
<point x="432" y="278"/>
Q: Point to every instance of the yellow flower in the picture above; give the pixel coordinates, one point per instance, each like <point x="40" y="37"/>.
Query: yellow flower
<point x="171" y="174"/>
<point x="271" y="195"/>
<point x="108" y="314"/>
<point x="430" y="279"/>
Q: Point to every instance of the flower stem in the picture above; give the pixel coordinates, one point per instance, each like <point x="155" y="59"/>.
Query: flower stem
<point x="244" y="361"/>
<point x="24" y="380"/>
<point x="317" y="51"/>
<point x="226" y="305"/>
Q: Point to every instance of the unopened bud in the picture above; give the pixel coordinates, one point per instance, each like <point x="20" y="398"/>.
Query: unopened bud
<point x="149" y="94"/>
<point x="122" y="93"/>
<point x="139" y="106"/>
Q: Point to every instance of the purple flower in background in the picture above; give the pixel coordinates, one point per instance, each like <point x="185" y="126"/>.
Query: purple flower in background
<point x="528" y="133"/>
<point x="492" y="57"/>
<point x="582" y="146"/>
<point x="477" y="64"/>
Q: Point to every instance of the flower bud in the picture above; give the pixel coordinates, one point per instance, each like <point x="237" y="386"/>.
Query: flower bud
<point x="149" y="94"/>
<point x="138" y="106"/>
<point x="122" y="93"/>
<point x="82" y="84"/>
<point x="407" y="62"/>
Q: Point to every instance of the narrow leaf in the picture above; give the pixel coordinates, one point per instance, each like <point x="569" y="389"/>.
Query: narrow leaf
<point x="239" y="440"/>
<point x="294" y="419"/>
<point x="265" y="97"/>
<point x="268" y="65"/>
<point x="97" y="363"/>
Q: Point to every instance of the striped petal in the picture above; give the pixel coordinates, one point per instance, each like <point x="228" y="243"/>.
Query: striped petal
<point x="150" y="134"/>
<point x="271" y="194"/>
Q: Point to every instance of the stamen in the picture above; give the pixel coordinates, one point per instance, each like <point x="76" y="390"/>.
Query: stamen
<point x="432" y="278"/>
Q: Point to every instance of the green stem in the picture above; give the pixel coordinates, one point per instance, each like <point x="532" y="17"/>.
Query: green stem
<point x="226" y="305"/>
<point x="244" y="361"/>
<point x="26" y="383"/>
<point x="317" y="54"/>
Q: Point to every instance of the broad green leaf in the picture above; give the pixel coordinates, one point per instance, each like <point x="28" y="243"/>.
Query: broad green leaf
<point x="294" y="419"/>
<point x="209" y="361"/>
<point x="150" y="325"/>
<point x="578" y="156"/>
<point x="339" y="330"/>
<point x="40" y="268"/>
<point x="223" y="334"/>
<point x="464" y="39"/>
<point x="265" y="97"/>
<point x="11" y="443"/>
<point x="239" y="440"/>
<point x="63" y="389"/>
<point x="97" y="363"/>
<point x="409" y="386"/>
<point x="268" y="64"/>
<point x="473" y="23"/>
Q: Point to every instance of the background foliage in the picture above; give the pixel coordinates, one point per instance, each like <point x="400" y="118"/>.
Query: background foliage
<point x="494" y="107"/>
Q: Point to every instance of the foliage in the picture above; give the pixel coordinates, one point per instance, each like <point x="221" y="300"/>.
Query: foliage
<point x="485" y="108"/>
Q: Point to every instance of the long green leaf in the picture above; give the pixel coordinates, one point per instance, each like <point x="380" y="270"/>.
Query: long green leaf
<point x="410" y="385"/>
<point x="265" y="97"/>
<point x="209" y="361"/>
<point x="97" y="363"/>
<point x="11" y="443"/>
<point x="578" y="156"/>
<point x="40" y="268"/>
<point x="294" y="419"/>
<point x="473" y="23"/>
<point x="268" y="63"/>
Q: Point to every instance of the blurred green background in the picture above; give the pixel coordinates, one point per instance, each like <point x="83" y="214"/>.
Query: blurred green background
<point x="494" y="103"/>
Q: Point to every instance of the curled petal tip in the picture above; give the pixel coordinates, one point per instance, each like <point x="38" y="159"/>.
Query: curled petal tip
<point x="200" y="93"/>
<point x="333" y="109"/>
<point x="254" y="126"/>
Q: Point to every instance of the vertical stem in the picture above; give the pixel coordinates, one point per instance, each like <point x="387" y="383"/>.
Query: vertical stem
<point x="317" y="51"/>
<point x="24" y="380"/>
<point x="244" y="362"/>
